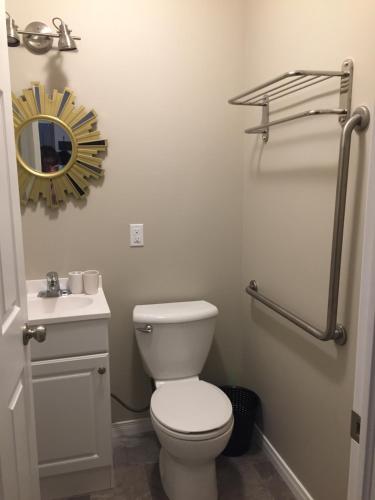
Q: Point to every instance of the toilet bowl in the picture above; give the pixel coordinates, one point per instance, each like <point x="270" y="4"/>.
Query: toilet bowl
<point x="192" y="419"/>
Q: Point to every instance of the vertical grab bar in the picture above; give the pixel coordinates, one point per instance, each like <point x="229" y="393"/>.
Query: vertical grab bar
<point x="334" y="331"/>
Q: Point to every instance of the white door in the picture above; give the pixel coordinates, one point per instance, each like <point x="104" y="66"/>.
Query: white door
<point x="18" y="457"/>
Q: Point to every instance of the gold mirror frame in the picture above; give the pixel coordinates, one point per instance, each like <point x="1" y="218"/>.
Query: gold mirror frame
<point x="84" y="163"/>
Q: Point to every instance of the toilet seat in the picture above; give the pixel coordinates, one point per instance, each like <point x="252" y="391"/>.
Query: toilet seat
<point x="191" y="408"/>
<point x="200" y="436"/>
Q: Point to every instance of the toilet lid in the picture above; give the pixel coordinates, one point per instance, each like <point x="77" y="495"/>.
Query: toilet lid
<point x="191" y="406"/>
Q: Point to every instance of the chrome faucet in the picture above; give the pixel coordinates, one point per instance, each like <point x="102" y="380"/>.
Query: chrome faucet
<point x="53" y="286"/>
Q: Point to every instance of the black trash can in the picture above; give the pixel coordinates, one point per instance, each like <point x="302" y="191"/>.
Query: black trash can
<point x="245" y="405"/>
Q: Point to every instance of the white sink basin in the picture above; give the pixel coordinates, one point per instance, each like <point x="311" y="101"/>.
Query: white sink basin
<point x="39" y="305"/>
<point x="66" y="308"/>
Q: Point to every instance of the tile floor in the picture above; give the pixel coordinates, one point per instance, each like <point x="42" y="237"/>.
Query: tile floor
<point x="250" y="477"/>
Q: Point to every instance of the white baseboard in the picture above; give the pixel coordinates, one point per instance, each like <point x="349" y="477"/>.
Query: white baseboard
<point x="133" y="427"/>
<point x="294" y="484"/>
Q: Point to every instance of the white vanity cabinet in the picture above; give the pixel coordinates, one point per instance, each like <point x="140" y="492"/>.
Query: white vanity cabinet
<point x="72" y="408"/>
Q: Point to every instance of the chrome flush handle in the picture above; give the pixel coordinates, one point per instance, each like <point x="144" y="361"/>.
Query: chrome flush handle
<point x="145" y="329"/>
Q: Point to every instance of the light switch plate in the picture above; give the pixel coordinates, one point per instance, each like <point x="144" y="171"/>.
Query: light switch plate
<point x="136" y="235"/>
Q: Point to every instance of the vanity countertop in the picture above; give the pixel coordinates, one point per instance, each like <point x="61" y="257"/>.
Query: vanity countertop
<point x="74" y="307"/>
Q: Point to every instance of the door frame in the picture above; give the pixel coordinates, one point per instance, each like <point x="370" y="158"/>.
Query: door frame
<point x="362" y="463"/>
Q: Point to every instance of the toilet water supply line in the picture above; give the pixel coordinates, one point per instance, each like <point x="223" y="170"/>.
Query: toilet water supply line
<point x="130" y="408"/>
<point x="333" y="331"/>
<point x="127" y="407"/>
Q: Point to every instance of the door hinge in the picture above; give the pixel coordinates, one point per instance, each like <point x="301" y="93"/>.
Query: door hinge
<point x="355" y="427"/>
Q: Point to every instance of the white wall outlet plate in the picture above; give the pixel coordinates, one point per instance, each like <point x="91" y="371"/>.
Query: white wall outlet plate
<point x="136" y="235"/>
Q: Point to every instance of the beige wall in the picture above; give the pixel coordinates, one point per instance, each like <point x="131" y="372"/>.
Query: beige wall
<point x="289" y="187"/>
<point x="158" y="74"/>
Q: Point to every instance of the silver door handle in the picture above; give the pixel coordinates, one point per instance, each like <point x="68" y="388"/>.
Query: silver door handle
<point x="38" y="333"/>
<point x="145" y="329"/>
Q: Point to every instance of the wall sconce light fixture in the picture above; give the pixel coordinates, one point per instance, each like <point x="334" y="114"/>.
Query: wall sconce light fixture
<point x="38" y="37"/>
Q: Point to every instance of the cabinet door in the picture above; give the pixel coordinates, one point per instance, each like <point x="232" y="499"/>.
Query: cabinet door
<point x="73" y="417"/>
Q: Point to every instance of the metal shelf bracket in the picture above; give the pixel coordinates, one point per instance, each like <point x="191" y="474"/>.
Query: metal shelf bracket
<point x="290" y="83"/>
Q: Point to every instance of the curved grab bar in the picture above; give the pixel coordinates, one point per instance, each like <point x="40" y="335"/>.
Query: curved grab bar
<point x="334" y="331"/>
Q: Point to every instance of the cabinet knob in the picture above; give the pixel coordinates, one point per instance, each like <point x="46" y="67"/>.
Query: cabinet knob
<point x="101" y="370"/>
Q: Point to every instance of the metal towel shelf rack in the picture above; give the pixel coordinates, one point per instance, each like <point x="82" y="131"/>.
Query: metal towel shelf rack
<point x="359" y="120"/>
<point x="295" y="81"/>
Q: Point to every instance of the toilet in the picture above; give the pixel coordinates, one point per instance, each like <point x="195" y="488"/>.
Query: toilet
<point x="192" y="418"/>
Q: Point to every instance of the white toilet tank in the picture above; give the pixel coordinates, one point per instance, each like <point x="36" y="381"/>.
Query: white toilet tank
<point x="180" y="338"/>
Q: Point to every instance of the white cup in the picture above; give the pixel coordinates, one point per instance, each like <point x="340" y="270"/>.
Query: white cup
<point x="91" y="281"/>
<point x="75" y="281"/>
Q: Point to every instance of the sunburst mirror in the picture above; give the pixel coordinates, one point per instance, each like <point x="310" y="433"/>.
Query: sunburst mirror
<point x="57" y="146"/>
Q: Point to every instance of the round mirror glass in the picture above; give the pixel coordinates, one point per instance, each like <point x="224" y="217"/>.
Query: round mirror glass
<point x="45" y="146"/>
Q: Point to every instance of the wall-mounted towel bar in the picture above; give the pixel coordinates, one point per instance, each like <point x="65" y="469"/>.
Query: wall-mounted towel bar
<point x="263" y="129"/>
<point x="359" y="121"/>
<point x="292" y="82"/>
